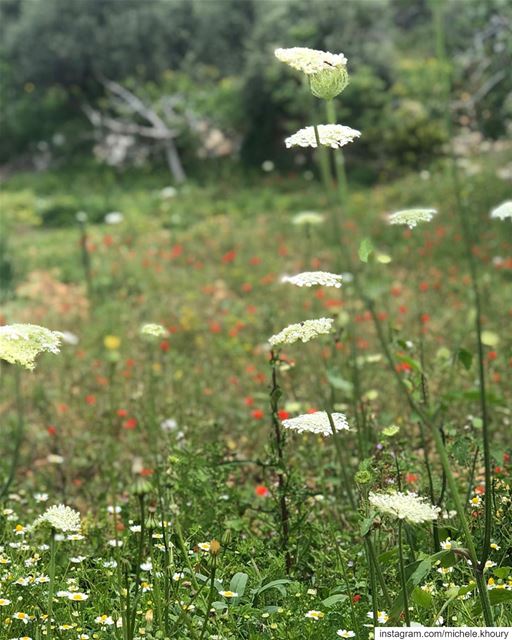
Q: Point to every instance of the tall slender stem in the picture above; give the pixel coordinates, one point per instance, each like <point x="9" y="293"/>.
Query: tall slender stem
<point x="438" y="15"/>
<point x="403" y="579"/>
<point x="275" y="393"/>
<point x="18" y="439"/>
<point x="51" y="585"/>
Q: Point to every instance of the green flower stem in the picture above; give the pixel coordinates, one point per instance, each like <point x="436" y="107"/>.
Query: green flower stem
<point x="211" y="595"/>
<point x="339" y="160"/>
<point x="86" y="260"/>
<point x="353" y="615"/>
<point x="18" y="438"/>
<point x="140" y="555"/>
<point x="51" y="585"/>
<point x="347" y="484"/>
<point x="438" y="17"/>
<point x="403" y="579"/>
<point x="323" y="156"/>
<point x="275" y="393"/>
<point x="378" y="571"/>
<point x="373" y="581"/>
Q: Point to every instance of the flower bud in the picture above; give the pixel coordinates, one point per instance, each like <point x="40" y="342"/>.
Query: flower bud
<point x="141" y="486"/>
<point x="328" y="83"/>
<point x="215" y="547"/>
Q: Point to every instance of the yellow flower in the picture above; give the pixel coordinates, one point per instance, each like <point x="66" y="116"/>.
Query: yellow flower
<point x="112" y="342"/>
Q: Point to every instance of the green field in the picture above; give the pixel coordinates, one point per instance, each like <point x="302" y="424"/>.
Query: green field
<point x="177" y="433"/>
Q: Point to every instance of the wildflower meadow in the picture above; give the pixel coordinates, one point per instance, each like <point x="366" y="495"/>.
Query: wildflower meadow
<point x="275" y="407"/>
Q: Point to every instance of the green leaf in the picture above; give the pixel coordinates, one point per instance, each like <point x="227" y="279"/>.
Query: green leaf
<point x="238" y="583"/>
<point x="422" y="598"/>
<point x="365" y="249"/>
<point x="417" y="571"/>
<point x="275" y="584"/>
<point x="502" y="572"/>
<point x="465" y="357"/>
<point x="366" y="525"/>
<point x="497" y="596"/>
<point x="332" y="600"/>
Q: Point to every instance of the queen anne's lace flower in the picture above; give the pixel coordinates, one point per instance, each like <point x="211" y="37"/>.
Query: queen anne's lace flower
<point x="61" y="518"/>
<point x="330" y="135"/>
<point x="310" y="61"/>
<point x="311" y="278"/>
<point x="304" y="331"/>
<point x="153" y="331"/>
<point x="504" y="210"/>
<point x="317" y="422"/>
<point x="404" y="506"/>
<point x="22" y="343"/>
<point x="308" y="218"/>
<point x="411" y="217"/>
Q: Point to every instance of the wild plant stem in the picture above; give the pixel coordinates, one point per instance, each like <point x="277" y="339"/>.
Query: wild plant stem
<point x="373" y="582"/>
<point x="342" y="462"/>
<point x="211" y="594"/>
<point x="51" y="585"/>
<point x="20" y="429"/>
<point x="378" y="571"/>
<point x="438" y="15"/>
<point x="275" y="393"/>
<point x="403" y="579"/>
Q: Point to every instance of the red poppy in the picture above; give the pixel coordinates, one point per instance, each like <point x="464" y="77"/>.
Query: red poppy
<point x="283" y="415"/>
<point x="90" y="399"/>
<point x="261" y="491"/>
<point x="130" y="424"/>
<point x="215" y="327"/>
<point x="229" y="256"/>
<point x="165" y="345"/>
<point x="52" y="431"/>
<point x="257" y="414"/>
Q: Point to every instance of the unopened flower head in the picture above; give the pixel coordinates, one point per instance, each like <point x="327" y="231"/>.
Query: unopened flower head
<point x="311" y="278"/>
<point x="153" y="331"/>
<point x="327" y="72"/>
<point x="308" y="218"/>
<point x="404" y="506"/>
<point x="317" y="422"/>
<point x="411" y="217"/>
<point x="330" y="135"/>
<point x="504" y="210"/>
<point x="22" y="343"/>
<point x="61" y="518"/>
<point x="303" y="331"/>
<point x="310" y="61"/>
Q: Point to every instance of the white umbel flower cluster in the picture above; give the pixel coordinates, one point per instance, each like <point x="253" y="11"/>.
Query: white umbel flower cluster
<point x="411" y="217"/>
<point x="330" y="135"/>
<point x="310" y="61"/>
<point x="153" y="331"/>
<point x="308" y="218"/>
<point x="303" y="331"/>
<point x="61" y="518"/>
<point x="312" y="278"/>
<point x="504" y="210"/>
<point x="404" y="506"/>
<point x="317" y="422"/>
<point x="22" y="343"/>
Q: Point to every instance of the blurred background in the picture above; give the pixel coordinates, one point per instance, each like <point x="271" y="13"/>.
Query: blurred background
<point x="191" y="87"/>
